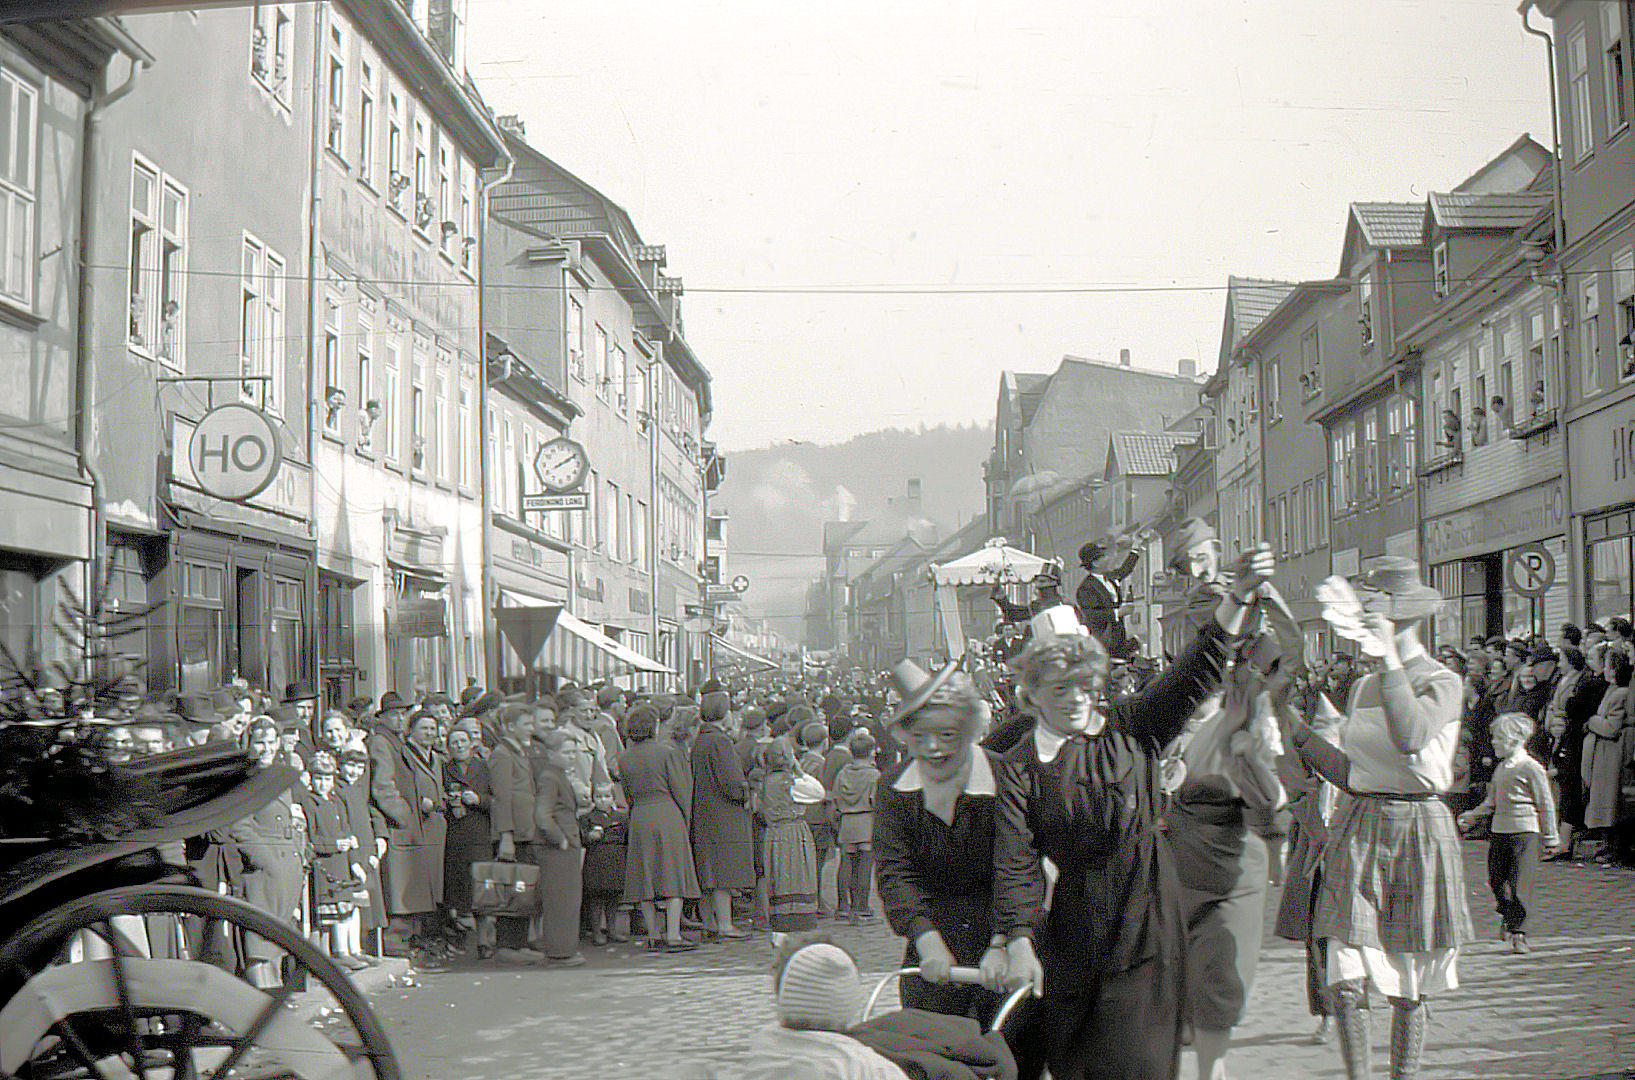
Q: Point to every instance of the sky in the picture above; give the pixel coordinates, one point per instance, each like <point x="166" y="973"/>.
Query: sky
<point x="879" y="206"/>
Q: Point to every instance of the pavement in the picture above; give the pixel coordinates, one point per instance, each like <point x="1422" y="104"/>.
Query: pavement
<point x="1566" y="1010"/>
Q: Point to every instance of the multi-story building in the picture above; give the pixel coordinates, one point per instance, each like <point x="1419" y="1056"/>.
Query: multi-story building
<point x="201" y="295"/>
<point x="571" y="287"/>
<point x="399" y="154"/>
<point x="1285" y="351"/>
<point x="1594" y="269"/>
<point x="1492" y="491"/>
<point x="1367" y="389"/>
<point x="1135" y="495"/>
<point x="57" y="81"/>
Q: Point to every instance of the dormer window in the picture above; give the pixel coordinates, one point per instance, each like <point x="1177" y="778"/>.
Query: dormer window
<point x="1439" y="267"/>
<point x="1365" y="313"/>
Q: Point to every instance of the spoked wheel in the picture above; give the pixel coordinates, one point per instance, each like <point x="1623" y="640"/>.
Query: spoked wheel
<point x="143" y="984"/>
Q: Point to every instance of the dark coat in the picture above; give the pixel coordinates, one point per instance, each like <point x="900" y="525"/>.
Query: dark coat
<point x="412" y="872"/>
<point x="468" y="838"/>
<point x="271" y="847"/>
<point x="328" y="823"/>
<point x="356" y="797"/>
<point x="721" y="838"/>
<point x="1098" y="607"/>
<point x="511" y="793"/>
<point x="1568" y="758"/>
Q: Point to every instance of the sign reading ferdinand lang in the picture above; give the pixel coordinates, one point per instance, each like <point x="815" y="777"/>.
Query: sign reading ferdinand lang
<point x="234" y="452"/>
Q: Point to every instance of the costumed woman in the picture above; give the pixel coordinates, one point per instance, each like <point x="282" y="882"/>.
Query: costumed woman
<point x="1391" y="909"/>
<point x="1220" y="772"/>
<point x="933" y="842"/>
<point x="1085" y="792"/>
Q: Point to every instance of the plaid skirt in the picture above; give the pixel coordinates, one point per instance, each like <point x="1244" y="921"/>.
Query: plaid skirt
<point x="1393" y="877"/>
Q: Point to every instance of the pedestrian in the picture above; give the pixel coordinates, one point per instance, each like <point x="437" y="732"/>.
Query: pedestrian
<point x="336" y="877"/>
<point x="853" y="799"/>
<point x="1606" y="746"/>
<point x="414" y="853"/>
<point x="1084" y="792"/>
<point x="1392" y="904"/>
<point x="561" y="856"/>
<point x="721" y="834"/>
<point x="812" y="748"/>
<point x="1568" y="760"/>
<point x="659" y="870"/>
<point x="1521" y="807"/>
<point x="512" y="796"/>
<point x="368" y="899"/>
<point x="791" y="856"/>
<point x="466" y="788"/>
<point x="271" y="846"/>
<point x="606" y="831"/>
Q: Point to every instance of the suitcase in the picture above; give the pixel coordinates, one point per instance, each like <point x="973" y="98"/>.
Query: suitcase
<point x="504" y="888"/>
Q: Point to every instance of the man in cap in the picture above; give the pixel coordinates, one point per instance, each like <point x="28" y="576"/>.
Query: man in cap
<point x="1194" y="551"/>
<point x="302" y="699"/>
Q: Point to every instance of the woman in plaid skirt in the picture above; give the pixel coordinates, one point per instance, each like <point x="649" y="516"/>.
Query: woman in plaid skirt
<point x="1391" y="907"/>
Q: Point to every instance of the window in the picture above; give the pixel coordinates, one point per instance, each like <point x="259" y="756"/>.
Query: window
<point x="199" y="651"/>
<point x="366" y="360"/>
<point x="366" y="122"/>
<point x="332" y="357"/>
<point x="639" y="378"/>
<point x="1308" y="509"/>
<point x="506" y="495"/>
<point x="397" y="181"/>
<point x="417" y="415"/>
<point x="628" y="533"/>
<point x="593" y="517"/>
<point x="335" y="140"/>
<point x="468" y="217"/>
<point x="261" y="325"/>
<point x="158" y="263"/>
<point x="1319" y="503"/>
<point x="272" y="41"/>
<point x="422" y="181"/>
<point x="1345" y="478"/>
<point x="392" y="395"/>
<point x="1439" y="267"/>
<point x="1273" y="392"/>
<point x="1623" y="329"/>
<point x="1311" y="373"/>
<point x="620" y="388"/>
<point x="1615" y="66"/>
<point x="638" y="531"/>
<point x="1578" y="104"/>
<point x="1365" y="299"/>
<point x="439" y="427"/>
<point x="610" y="525"/>
<point x="445" y="199"/>
<point x="1589" y="352"/>
<point x="604" y="376"/>
<point x="1399" y="433"/>
<point x="576" y="338"/>
<point x="19" y="110"/>
<point x="1369" y="472"/>
<point x="462" y="436"/>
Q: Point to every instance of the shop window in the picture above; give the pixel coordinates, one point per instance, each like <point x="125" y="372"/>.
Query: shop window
<point x="1611" y="584"/>
<point x="200" y="626"/>
<point x="285" y="657"/>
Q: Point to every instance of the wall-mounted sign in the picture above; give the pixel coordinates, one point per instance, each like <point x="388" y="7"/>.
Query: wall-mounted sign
<point x="420" y="617"/>
<point x="573" y="500"/>
<point x="234" y="452"/>
<point x="740" y="584"/>
<point x="1531" y="569"/>
<point x="561" y="465"/>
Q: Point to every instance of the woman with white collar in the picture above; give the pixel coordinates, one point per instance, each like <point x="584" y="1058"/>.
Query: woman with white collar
<point x="1085" y="793"/>
<point x="933" y="843"/>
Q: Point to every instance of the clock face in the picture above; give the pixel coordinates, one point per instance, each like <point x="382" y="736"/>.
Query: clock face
<point x="560" y="465"/>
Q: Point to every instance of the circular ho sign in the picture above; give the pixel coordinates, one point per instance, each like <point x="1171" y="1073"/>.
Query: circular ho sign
<point x="234" y="452"/>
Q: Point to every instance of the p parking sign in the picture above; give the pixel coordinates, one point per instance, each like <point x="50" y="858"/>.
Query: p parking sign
<point x="234" y="452"/>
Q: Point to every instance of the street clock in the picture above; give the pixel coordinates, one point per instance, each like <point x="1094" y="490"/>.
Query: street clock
<point x="561" y="465"/>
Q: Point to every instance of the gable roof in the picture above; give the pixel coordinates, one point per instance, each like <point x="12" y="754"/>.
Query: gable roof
<point x="1251" y="299"/>
<point x="1389" y="224"/>
<point x="1470" y="210"/>
<point x="1144" y="453"/>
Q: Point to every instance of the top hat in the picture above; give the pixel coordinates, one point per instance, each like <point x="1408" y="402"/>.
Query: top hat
<point x="1187" y="535"/>
<point x="300" y="690"/>
<point x="915" y="687"/>
<point x="1392" y="588"/>
<point x="1089" y="553"/>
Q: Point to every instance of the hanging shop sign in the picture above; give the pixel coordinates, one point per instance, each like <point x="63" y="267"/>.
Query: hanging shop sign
<point x="234" y="452"/>
<point x="420" y="617"/>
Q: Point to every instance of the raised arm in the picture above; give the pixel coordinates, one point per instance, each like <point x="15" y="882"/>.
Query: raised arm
<point x="1161" y="710"/>
<point x="1415" y="712"/>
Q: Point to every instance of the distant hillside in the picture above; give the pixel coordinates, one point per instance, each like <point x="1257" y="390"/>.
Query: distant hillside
<point x="778" y="498"/>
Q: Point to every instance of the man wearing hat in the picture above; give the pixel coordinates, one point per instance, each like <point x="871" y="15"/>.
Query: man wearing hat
<point x="1100" y="597"/>
<point x="389" y="811"/>
<point x="1194" y="552"/>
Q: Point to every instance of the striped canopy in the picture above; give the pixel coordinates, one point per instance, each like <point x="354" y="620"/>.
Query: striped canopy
<point x="550" y="638"/>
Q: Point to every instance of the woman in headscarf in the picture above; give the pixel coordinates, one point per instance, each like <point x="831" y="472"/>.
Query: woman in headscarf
<point x="1391" y="909"/>
<point x="466" y="787"/>
<point x="1085" y="792"/>
<point x="271" y="844"/>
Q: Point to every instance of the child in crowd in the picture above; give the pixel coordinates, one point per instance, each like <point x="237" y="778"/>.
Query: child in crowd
<point x="791" y="857"/>
<point x="335" y="878"/>
<point x="368" y="901"/>
<point x="606" y="831"/>
<point x="1521" y="806"/>
<point x="818" y="996"/>
<point x="854" y="803"/>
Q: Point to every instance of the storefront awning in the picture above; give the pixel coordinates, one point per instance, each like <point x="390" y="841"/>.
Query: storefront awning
<point x="549" y="638"/>
<point x="742" y="656"/>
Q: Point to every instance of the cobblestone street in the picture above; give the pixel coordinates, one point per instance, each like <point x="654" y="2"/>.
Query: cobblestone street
<point x="1565" y="1011"/>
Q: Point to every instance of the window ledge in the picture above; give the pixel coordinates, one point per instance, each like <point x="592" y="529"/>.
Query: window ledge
<point x="331" y="435"/>
<point x="334" y="155"/>
<point x="1535" y="425"/>
<point x="19" y="316"/>
<point x="1438" y="464"/>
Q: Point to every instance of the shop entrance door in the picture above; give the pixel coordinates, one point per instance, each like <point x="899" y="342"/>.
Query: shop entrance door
<point x="252" y="662"/>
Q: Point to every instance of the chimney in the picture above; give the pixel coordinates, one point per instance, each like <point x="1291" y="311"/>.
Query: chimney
<point x="913" y="504"/>
<point x="511" y="124"/>
<point x="1124" y="358"/>
<point x="1187" y="367"/>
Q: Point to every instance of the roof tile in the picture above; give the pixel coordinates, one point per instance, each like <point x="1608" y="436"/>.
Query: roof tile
<point x="1486" y="210"/>
<point x="1390" y="224"/>
<point x="1143" y="453"/>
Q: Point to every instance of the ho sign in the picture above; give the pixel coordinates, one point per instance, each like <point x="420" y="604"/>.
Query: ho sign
<point x="234" y="452"/>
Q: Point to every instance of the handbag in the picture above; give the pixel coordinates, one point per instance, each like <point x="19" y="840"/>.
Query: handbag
<point x="504" y="888"/>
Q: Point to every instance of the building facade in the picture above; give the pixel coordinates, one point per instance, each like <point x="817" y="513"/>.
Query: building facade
<point x="50" y="73"/>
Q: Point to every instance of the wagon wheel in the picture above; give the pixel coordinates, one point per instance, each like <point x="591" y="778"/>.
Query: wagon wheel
<point x="141" y="984"/>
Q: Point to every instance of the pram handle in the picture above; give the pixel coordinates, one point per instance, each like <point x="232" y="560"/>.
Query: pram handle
<point x="968" y="975"/>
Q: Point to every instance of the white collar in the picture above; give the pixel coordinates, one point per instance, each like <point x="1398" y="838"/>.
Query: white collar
<point x="980" y="782"/>
<point x="1047" y="743"/>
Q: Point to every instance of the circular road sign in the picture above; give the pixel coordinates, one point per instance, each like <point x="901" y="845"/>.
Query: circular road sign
<point x="234" y="452"/>
<point x="1531" y="569"/>
<point x="740" y="584"/>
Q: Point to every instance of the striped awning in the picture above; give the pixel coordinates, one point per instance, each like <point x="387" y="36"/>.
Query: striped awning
<point x="550" y="638"/>
<point x="741" y="657"/>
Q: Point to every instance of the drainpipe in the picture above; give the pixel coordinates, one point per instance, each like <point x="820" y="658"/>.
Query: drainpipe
<point x="86" y="374"/>
<point x="1575" y="609"/>
<point x="490" y="591"/>
<point x="315" y="392"/>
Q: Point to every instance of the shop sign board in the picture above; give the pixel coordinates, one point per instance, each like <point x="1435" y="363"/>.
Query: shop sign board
<point x="1530" y="569"/>
<point x="419" y="617"/>
<point x="1521" y="517"/>
<point x="573" y="500"/>
<point x="234" y="452"/>
<point x="1601" y="455"/>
